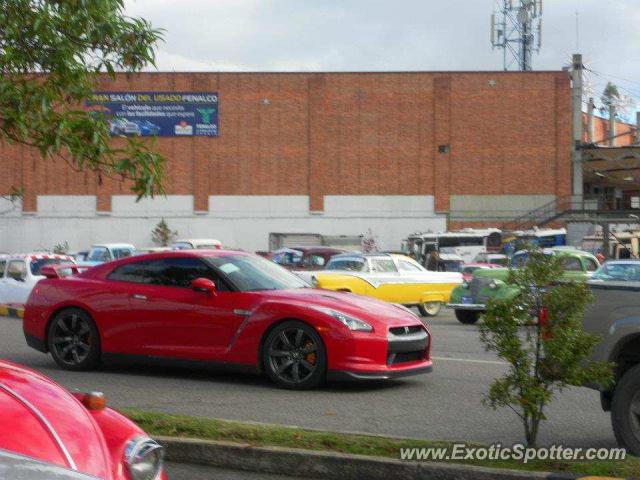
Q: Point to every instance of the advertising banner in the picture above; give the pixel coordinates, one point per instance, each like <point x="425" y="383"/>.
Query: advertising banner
<point x="162" y="114"/>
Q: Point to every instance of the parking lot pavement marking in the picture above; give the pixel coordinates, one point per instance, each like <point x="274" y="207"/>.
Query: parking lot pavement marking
<point x="470" y="360"/>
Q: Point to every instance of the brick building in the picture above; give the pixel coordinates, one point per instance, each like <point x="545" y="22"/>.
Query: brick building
<point x="325" y="153"/>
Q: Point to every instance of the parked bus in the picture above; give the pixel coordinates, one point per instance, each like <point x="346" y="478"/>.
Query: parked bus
<point x="466" y="244"/>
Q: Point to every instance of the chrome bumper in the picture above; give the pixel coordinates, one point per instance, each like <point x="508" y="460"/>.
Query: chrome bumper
<point x="478" y="307"/>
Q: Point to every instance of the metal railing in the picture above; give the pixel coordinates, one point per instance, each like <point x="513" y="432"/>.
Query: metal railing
<point x="562" y="207"/>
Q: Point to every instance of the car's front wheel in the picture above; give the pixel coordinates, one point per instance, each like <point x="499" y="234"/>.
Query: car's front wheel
<point x="294" y="356"/>
<point x="625" y="410"/>
<point x="467" y="317"/>
<point x="429" y="309"/>
<point x="73" y="340"/>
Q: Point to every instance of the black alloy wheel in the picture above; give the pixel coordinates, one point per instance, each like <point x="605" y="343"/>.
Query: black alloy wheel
<point x="73" y="340"/>
<point x="294" y="356"/>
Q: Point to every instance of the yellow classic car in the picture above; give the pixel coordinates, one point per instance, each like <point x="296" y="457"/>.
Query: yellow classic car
<point x="390" y="277"/>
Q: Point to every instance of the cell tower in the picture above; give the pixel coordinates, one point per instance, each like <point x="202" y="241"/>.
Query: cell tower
<point x="516" y="27"/>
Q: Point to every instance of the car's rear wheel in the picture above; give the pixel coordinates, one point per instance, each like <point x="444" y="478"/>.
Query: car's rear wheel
<point x="294" y="356"/>
<point x="467" y="317"/>
<point x="429" y="309"/>
<point x="73" y="340"/>
<point x="625" y="410"/>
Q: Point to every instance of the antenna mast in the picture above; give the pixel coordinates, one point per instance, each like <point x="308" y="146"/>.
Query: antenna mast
<point x="516" y="28"/>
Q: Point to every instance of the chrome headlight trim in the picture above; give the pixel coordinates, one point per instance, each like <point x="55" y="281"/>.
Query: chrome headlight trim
<point x="352" y="323"/>
<point x="140" y="449"/>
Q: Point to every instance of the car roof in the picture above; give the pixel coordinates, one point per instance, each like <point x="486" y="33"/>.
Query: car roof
<point x="326" y="250"/>
<point x="37" y="256"/>
<point x="629" y="261"/>
<point x="113" y="245"/>
<point x="359" y="255"/>
<point x="198" y="240"/>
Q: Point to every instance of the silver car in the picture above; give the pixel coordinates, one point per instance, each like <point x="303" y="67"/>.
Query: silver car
<point x="615" y="316"/>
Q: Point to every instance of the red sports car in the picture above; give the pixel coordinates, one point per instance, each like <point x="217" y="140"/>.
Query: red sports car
<point x="225" y="308"/>
<point x="47" y="433"/>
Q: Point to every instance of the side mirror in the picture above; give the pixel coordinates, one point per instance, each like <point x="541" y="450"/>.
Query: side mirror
<point x="204" y="285"/>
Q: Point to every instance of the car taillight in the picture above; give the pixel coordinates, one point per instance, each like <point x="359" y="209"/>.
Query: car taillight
<point x="218" y="247"/>
<point x="94" y="401"/>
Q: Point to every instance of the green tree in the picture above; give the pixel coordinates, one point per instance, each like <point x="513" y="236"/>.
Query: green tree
<point x="610" y="97"/>
<point x="540" y="335"/>
<point x="61" y="248"/>
<point x="51" y="52"/>
<point x="162" y="235"/>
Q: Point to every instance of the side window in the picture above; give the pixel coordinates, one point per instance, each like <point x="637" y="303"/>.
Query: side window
<point x="572" y="264"/>
<point x="405" y="266"/>
<point x="180" y="272"/>
<point x="119" y="253"/>
<point x="3" y="264"/>
<point x="382" y="265"/>
<point x="591" y="264"/>
<point x="17" y="270"/>
<point x="352" y="265"/>
<point x="135" y="272"/>
<point x="316" y="260"/>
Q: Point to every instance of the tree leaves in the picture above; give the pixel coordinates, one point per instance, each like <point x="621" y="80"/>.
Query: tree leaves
<point x="50" y="54"/>
<point x="543" y="359"/>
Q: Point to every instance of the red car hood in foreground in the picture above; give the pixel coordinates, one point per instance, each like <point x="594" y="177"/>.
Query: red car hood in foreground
<point x="375" y="312"/>
<point x="28" y="402"/>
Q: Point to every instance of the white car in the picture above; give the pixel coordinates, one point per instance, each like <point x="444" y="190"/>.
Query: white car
<point x="106" y="252"/>
<point x="20" y="273"/>
<point x="197" y="244"/>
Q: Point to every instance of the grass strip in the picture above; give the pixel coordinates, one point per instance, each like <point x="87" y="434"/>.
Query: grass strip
<point x="387" y="447"/>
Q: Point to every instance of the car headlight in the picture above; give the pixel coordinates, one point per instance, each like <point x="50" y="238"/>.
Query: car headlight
<point x="348" y="321"/>
<point x="144" y="458"/>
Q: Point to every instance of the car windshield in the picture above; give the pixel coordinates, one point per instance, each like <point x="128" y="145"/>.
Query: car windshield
<point x="122" y="252"/>
<point x="99" y="254"/>
<point x="350" y="265"/>
<point x="182" y="246"/>
<point x="37" y="264"/>
<point x="451" y="266"/>
<point x="621" y="272"/>
<point x="252" y="273"/>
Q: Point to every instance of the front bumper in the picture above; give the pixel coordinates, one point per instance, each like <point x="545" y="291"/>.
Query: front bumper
<point x="476" y="307"/>
<point x="341" y="375"/>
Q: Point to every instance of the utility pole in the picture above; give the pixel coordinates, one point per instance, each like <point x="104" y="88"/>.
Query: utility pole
<point x="612" y="126"/>
<point x="637" y="136"/>
<point x="516" y="28"/>
<point x="576" y="96"/>
<point x="590" y="109"/>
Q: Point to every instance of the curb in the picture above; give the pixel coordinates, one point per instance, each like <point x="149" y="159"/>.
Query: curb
<point x="11" y="311"/>
<point x="331" y="465"/>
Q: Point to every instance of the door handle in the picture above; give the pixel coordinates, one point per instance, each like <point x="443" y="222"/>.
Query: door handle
<point x="137" y="296"/>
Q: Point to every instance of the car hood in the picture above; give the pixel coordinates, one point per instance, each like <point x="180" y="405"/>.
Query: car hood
<point x="373" y="311"/>
<point x="495" y="273"/>
<point x="28" y="403"/>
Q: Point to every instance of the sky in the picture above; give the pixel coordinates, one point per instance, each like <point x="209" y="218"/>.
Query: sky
<point x="357" y="35"/>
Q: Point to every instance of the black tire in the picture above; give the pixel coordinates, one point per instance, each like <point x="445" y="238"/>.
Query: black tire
<point x="468" y="317"/>
<point x="429" y="309"/>
<point x="294" y="356"/>
<point x="625" y="411"/>
<point x="73" y="340"/>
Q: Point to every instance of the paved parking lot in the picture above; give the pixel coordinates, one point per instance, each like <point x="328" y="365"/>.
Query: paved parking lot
<point x="442" y="405"/>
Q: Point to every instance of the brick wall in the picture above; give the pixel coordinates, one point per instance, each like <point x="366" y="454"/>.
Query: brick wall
<point x="501" y="133"/>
